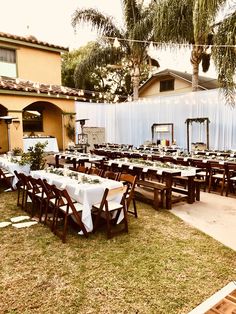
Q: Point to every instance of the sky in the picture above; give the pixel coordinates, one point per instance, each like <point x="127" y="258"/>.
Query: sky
<point x="50" y="21"/>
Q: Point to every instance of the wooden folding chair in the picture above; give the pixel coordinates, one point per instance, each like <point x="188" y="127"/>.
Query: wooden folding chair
<point x="49" y="203"/>
<point x="21" y="188"/>
<point x="110" y="209"/>
<point x="231" y="179"/>
<point x="37" y="196"/>
<point x="129" y="182"/>
<point x="65" y="207"/>
<point x="218" y="174"/>
<point x="6" y="177"/>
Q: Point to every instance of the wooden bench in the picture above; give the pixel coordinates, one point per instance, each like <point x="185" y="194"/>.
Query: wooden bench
<point x="159" y="189"/>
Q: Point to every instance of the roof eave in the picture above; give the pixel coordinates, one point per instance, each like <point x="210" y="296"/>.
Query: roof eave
<point x="33" y="45"/>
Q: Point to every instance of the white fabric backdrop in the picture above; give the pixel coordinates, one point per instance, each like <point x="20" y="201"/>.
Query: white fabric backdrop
<point x="130" y="122"/>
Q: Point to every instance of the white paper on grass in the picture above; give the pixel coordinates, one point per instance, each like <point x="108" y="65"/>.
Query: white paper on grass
<point x="24" y="224"/>
<point x="5" y="224"/>
<point x="19" y="218"/>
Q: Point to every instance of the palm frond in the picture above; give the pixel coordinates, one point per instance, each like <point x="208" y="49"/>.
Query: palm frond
<point x="173" y="22"/>
<point x="100" y="56"/>
<point x="204" y="13"/>
<point x="98" y="21"/>
<point x="225" y="57"/>
<point x="132" y="13"/>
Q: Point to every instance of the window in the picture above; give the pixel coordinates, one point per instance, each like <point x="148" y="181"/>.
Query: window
<point x="167" y="85"/>
<point x="7" y="62"/>
<point x="32" y="121"/>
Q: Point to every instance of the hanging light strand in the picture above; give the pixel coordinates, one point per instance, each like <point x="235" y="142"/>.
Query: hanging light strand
<point x="117" y="40"/>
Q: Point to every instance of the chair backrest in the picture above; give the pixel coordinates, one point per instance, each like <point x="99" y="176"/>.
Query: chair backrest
<point x="27" y="180"/>
<point x="125" y="168"/>
<point x="129" y="182"/>
<point x="82" y="169"/>
<point x="231" y="170"/>
<point x="60" y="201"/>
<point x="216" y="166"/>
<point x="111" y="175"/>
<point x="182" y="162"/>
<point x="201" y="165"/>
<point x="111" y="194"/>
<point x="95" y="171"/>
<point x="36" y="184"/>
<point x="48" y="190"/>
<point x="151" y="174"/>
<point x="137" y="171"/>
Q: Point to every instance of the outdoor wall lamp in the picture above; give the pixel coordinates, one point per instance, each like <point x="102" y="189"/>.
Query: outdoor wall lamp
<point x="16" y="124"/>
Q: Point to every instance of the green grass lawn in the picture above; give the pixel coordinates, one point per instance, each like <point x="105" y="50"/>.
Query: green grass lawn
<point x="162" y="266"/>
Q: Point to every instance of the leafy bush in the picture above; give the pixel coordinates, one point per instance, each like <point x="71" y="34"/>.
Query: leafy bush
<point x="17" y="151"/>
<point x="36" y="156"/>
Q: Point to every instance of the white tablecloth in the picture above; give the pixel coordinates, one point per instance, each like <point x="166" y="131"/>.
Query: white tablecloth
<point x="185" y="171"/>
<point x="12" y="166"/>
<point x="79" y="157"/>
<point x="84" y="193"/>
<point x="52" y="145"/>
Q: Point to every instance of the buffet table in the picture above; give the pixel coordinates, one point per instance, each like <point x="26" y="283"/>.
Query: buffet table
<point x="52" y="145"/>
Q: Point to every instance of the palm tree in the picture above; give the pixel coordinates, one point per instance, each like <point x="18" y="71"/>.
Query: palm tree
<point x="138" y="26"/>
<point x="192" y="22"/>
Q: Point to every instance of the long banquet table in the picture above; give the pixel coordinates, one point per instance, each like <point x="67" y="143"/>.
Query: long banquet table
<point x="7" y="164"/>
<point x="183" y="171"/>
<point x="76" y="158"/>
<point x="84" y="193"/>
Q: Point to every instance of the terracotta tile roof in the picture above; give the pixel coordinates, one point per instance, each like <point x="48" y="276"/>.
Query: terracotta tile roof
<point x="24" y="86"/>
<point x="31" y="40"/>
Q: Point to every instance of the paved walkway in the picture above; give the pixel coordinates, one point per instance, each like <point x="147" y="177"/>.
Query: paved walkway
<point x="214" y="214"/>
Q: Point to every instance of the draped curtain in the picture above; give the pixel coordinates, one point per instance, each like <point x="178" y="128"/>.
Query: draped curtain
<point x="130" y="122"/>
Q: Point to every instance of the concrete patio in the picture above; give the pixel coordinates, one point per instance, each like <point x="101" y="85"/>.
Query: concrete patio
<point x="214" y="215"/>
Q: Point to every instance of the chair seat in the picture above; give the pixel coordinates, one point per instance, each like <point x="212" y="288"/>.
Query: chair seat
<point x="78" y="207"/>
<point x="201" y="173"/>
<point x="218" y="176"/>
<point x="40" y="195"/>
<point x="9" y="175"/>
<point x="112" y="205"/>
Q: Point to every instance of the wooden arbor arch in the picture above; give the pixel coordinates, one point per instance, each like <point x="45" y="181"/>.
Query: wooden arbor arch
<point x="198" y="120"/>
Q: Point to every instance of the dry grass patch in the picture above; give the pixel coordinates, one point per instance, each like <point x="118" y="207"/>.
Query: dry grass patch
<point x="161" y="266"/>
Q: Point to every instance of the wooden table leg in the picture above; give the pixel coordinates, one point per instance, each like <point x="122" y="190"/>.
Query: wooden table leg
<point x="57" y="161"/>
<point x="169" y="181"/>
<point x="191" y="190"/>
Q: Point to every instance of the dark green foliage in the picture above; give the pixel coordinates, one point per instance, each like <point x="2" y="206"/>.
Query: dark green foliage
<point x="138" y="26"/>
<point x="206" y="57"/>
<point x="36" y="156"/>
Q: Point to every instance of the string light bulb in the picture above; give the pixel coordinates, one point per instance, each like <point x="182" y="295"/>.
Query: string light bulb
<point x="116" y="43"/>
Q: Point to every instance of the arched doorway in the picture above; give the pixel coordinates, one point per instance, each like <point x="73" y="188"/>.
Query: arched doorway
<point x="43" y="118"/>
<point x="3" y="131"/>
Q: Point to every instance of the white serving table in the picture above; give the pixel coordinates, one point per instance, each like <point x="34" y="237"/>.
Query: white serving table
<point x="84" y="193"/>
<point x="6" y="163"/>
<point x="52" y="145"/>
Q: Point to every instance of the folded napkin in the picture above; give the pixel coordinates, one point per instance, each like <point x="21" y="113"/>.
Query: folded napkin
<point x="19" y="218"/>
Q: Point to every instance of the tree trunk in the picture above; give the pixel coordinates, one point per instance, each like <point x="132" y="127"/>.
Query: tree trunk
<point x="136" y="80"/>
<point x="196" y="56"/>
